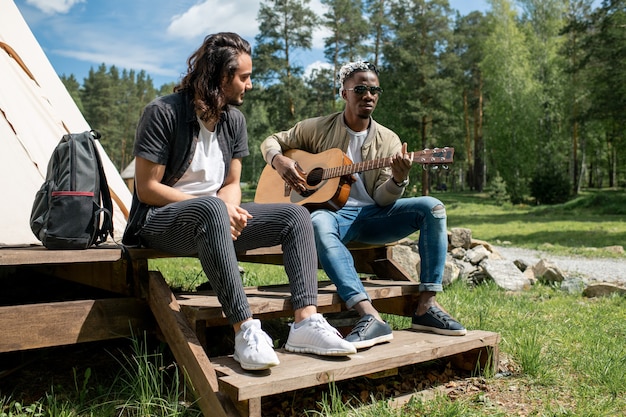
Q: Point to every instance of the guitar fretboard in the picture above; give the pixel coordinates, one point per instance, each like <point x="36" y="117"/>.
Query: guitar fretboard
<point x="425" y="157"/>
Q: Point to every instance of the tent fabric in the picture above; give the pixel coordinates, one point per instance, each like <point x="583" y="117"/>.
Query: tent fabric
<point x="129" y="172"/>
<point x="36" y="110"/>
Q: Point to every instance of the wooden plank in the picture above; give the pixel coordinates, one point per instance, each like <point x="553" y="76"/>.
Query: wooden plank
<point x="35" y="326"/>
<point x="297" y="371"/>
<point x="109" y="276"/>
<point x="368" y="259"/>
<point x="39" y="255"/>
<point x="275" y="300"/>
<point x="184" y="344"/>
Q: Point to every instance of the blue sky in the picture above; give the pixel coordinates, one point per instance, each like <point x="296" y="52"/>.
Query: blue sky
<point x="154" y="35"/>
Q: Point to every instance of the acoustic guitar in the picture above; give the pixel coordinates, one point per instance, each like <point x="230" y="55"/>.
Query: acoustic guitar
<point x="328" y="176"/>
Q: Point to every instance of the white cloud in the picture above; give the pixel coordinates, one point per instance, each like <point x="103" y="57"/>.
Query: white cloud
<point x="212" y="16"/>
<point x="54" y="6"/>
<point x="318" y="37"/>
<point x="316" y="65"/>
<point x="121" y="61"/>
<point x="321" y="32"/>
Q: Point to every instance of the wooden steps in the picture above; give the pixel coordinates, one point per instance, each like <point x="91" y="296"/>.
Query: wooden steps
<point x="297" y="371"/>
<point x="221" y="387"/>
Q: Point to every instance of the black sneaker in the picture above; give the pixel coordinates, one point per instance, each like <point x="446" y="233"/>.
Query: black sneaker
<point x="436" y="321"/>
<point x="368" y="332"/>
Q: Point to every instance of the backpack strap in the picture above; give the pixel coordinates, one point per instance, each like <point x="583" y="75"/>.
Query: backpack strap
<point x="107" y="204"/>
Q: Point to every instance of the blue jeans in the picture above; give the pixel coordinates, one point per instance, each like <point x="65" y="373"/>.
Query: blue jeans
<point x="381" y="225"/>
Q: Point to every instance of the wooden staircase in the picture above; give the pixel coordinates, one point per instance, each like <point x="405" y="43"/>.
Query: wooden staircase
<point x="245" y="389"/>
<point x="221" y="387"/>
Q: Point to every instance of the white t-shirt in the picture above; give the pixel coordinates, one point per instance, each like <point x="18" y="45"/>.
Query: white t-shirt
<point x="205" y="174"/>
<point x="358" y="195"/>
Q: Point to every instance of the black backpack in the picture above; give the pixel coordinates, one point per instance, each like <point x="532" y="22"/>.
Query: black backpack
<point x="73" y="207"/>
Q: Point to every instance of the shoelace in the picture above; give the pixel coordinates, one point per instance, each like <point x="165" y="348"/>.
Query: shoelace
<point x="252" y="334"/>
<point x="438" y="313"/>
<point x="361" y="325"/>
<point x="323" y="326"/>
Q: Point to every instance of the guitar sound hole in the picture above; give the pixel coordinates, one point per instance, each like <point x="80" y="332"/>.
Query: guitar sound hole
<point x="314" y="177"/>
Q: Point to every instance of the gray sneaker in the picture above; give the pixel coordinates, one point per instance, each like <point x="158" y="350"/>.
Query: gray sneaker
<point x="369" y="332"/>
<point x="437" y="321"/>
<point x="316" y="336"/>
<point x="253" y="347"/>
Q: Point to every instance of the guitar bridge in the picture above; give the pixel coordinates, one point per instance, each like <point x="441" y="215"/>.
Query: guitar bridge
<point x="287" y="190"/>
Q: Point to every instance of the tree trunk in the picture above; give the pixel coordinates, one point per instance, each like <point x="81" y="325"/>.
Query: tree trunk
<point x="479" y="143"/>
<point x="425" y="176"/>
<point x="468" y="141"/>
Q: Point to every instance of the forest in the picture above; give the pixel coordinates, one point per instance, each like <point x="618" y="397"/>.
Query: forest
<point x="531" y="95"/>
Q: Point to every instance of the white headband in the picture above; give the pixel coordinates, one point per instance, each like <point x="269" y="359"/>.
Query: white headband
<point x="350" y="68"/>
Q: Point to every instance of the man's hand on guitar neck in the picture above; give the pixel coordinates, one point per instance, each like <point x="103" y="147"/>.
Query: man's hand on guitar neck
<point x="290" y="171"/>
<point x="401" y="165"/>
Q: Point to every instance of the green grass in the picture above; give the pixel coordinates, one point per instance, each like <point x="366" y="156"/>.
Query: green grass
<point x="568" y="352"/>
<point x="582" y="226"/>
<point x="144" y="386"/>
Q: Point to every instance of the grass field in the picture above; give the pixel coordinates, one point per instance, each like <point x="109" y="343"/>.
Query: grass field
<point x="567" y="353"/>
<point x="582" y="226"/>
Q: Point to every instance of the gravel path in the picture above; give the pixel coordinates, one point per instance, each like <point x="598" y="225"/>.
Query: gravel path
<point x="589" y="269"/>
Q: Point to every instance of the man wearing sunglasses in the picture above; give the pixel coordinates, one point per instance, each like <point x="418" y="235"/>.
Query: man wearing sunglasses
<point x="374" y="212"/>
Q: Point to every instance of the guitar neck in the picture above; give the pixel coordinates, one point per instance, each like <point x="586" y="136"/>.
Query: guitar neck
<point x="430" y="157"/>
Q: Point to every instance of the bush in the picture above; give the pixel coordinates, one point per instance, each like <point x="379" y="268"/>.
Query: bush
<point x="550" y="187"/>
<point x="497" y="190"/>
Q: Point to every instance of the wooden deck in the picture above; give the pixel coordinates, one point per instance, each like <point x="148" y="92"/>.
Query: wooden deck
<point x="143" y="299"/>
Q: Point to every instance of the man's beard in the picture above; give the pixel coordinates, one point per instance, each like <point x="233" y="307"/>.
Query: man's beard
<point x="235" y="101"/>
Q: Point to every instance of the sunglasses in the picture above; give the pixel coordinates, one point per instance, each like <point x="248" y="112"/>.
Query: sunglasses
<point x="362" y="89"/>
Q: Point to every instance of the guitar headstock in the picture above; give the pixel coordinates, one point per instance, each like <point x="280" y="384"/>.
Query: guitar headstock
<point x="435" y="156"/>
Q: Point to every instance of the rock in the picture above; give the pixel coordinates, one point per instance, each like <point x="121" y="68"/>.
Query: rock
<point x="408" y="259"/>
<point x="458" y="253"/>
<point x="530" y="275"/>
<point x="465" y="268"/>
<point x="521" y="264"/>
<point x="548" y="272"/>
<point x="494" y="253"/>
<point x="451" y="273"/>
<point x="614" y="249"/>
<point x="603" y="289"/>
<point x="460" y="238"/>
<point x="506" y="275"/>
<point x="477" y="254"/>
<point x="573" y="285"/>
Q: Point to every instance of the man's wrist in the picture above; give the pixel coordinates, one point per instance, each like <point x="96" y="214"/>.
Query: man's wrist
<point x="400" y="184"/>
<point x="272" y="159"/>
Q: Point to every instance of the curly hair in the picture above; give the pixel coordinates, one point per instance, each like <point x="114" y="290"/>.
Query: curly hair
<point x="351" y="68"/>
<point x="216" y="58"/>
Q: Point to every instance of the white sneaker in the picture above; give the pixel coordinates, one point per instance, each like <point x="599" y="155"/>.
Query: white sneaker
<point x="253" y="347"/>
<point x="317" y="336"/>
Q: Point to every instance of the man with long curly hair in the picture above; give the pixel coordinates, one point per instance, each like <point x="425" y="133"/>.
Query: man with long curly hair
<point x="189" y="147"/>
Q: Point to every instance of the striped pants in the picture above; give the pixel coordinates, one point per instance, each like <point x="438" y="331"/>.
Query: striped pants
<point x="201" y="227"/>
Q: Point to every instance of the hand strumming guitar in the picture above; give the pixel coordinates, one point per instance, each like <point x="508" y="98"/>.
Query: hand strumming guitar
<point x="290" y="171"/>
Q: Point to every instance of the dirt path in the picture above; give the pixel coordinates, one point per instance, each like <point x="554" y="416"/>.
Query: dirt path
<point x="589" y="269"/>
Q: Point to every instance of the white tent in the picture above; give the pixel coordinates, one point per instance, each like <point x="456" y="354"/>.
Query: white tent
<point x="35" y="112"/>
